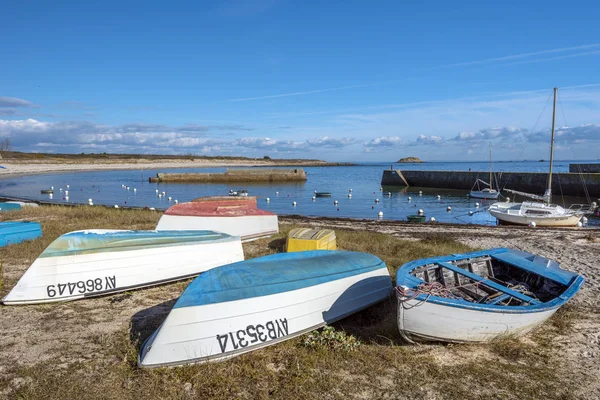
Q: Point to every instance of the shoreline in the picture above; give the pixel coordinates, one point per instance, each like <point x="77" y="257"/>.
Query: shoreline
<point x="14" y="169"/>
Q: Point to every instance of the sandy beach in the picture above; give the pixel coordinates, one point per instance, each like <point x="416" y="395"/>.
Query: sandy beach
<point x="29" y="167"/>
<point x="94" y="340"/>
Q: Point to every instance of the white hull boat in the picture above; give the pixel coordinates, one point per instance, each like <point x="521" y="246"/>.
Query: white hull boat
<point x="98" y="262"/>
<point x="231" y="215"/>
<point x="490" y="194"/>
<point x="480" y="296"/>
<point x="245" y="306"/>
<point x="529" y="212"/>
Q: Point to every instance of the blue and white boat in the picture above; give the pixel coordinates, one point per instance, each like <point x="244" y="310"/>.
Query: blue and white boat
<point x="244" y="306"/>
<point x="9" y="206"/>
<point x="18" y="231"/>
<point x="479" y="296"/>
<point x="98" y="262"/>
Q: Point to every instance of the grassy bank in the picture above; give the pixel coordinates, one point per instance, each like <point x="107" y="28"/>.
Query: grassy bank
<point x="88" y="349"/>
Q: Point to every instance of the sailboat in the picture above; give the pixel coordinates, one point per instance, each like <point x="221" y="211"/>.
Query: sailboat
<point x="539" y="213"/>
<point x="487" y="192"/>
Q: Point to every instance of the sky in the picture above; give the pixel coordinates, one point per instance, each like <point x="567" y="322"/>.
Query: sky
<point x="335" y="80"/>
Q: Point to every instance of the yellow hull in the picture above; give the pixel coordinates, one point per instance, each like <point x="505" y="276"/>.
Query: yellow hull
<point x="304" y="239"/>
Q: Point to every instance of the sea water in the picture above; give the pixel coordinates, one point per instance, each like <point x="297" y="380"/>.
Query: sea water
<point x="362" y="182"/>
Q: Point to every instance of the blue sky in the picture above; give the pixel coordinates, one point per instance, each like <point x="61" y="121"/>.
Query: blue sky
<point x="336" y="80"/>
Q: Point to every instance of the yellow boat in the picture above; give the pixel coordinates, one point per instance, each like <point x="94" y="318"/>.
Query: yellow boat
<point x="304" y="239"/>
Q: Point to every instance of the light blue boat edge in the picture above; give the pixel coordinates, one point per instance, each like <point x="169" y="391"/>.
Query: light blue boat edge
<point x="403" y="277"/>
<point x="128" y="240"/>
<point x="12" y="232"/>
<point x="276" y="273"/>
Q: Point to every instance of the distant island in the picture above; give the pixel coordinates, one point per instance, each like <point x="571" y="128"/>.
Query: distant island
<point x="410" y="160"/>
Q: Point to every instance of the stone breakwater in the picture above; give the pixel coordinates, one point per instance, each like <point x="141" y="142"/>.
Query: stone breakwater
<point x="235" y="175"/>
<point x="569" y="184"/>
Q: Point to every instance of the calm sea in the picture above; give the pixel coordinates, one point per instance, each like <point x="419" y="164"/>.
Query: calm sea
<point x="105" y="188"/>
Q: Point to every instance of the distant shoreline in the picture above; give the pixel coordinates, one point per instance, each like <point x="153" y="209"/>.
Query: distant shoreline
<point x="22" y="167"/>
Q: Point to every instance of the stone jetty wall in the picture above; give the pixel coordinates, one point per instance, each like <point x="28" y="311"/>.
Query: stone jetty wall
<point x="235" y="175"/>
<point x="569" y="184"/>
<point x="577" y="168"/>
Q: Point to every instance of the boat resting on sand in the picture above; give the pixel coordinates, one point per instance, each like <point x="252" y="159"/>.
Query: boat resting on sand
<point x="18" y="231"/>
<point x="9" y="206"/>
<point x="97" y="262"/>
<point x="480" y="296"/>
<point x="237" y="216"/>
<point x="248" y="305"/>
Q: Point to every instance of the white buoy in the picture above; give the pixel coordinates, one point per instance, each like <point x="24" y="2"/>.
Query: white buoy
<point x="116" y="206"/>
<point x="432" y="219"/>
<point x="90" y="202"/>
<point x="380" y="214"/>
<point x="276" y="193"/>
<point x="68" y="186"/>
<point x="579" y="224"/>
<point x="584" y="220"/>
<point x="66" y="192"/>
<point x="66" y="198"/>
<point x="268" y="199"/>
<point x="471" y="213"/>
<point x="335" y="202"/>
<point x="532" y="224"/>
<point x="127" y="187"/>
<point x="52" y="187"/>
<point x="420" y="193"/>
<point x="476" y="205"/>
<point x="349" y="195"/>
<point x="448" y="208"/>
<point x="389" y="193"/>
<point x="350" y="190"/>
<point x="439" y="197"/>
<point x="594" y="205"/>
<point x="176" y="201"/>
<point x="134" y="190"/>
<point x="314" y="198"/>
<point x="508" y="199"/>
<point x="409" y="198"/>
<point x="60" y="190"/>
<point x="160" y="196"/>
<point x="376" y="200"/>
<point x="294" y="204"/>
<point x="50" y="196"/>
<point x="315" y="191"/>
<point x="164" y="193"/>
<point x="421" y="211"/>
<point x="380" y="189"/>
<point x="170" y="198"/>
<point x="156" y="191"/>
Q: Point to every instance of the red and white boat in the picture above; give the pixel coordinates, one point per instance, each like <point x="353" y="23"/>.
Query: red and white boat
<point x="236" y="216"/>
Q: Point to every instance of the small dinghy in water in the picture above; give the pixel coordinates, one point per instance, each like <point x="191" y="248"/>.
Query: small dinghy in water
<point x="19" y="231"/>
<point x="479" y="296"/>
<point x="244" y="306"/>
<point x="238" y="216"/>
<point x="98" y="262"/>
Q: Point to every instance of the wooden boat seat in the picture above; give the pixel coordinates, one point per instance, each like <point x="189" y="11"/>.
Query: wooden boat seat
<point x="498" y="299"/>
<point x="476" y="278"/>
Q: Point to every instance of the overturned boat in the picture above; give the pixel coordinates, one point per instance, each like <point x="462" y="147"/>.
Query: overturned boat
<point x="479" y="296"/>
<point x="14" y="232"/>
<point x="98" y="262"/>
<point x="244" y="306"/>
<point x="238" y="216"/>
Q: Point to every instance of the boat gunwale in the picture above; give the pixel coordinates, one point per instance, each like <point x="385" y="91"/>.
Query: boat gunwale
<point x="403" y="275"/>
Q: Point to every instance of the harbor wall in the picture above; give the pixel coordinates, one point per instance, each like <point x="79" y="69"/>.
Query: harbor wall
<point x="235" y="176"/>
<point x="569" y="184"/>
<point x="577" y="168"/>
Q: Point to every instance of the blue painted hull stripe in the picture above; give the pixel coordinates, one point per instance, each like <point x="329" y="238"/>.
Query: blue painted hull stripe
<point x="277" y="273"/>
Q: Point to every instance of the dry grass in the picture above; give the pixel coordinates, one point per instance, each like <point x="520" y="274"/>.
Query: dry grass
<point x="380" y="367"/>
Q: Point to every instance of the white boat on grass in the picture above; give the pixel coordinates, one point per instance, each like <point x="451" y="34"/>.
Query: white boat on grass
<point x="244" y="306"/>
<point x="97" y="262"/>
<point x="238" y="216"/>
<point x="480" y="296"/>
<point x="542" y="213"/>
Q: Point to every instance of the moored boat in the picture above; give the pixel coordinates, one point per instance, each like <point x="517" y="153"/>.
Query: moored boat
<point x="322" y="194"/>
<point x="256" y="303"/>
<point x="480" y="296"/>
<point x="18" y="231"/>
<point x="416" y="218"/>
<point x="98" y="262"/>
<point x="238" y="216"/>
<point x="9" y="206"/>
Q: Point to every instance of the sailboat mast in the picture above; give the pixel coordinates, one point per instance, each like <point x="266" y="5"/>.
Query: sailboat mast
<point x="491" y="183"/>
<point x="552" y="144"/>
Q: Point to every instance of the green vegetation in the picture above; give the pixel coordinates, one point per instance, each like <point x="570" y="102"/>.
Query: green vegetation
<point x="98" y="360"/>
<point x="410" y="160"/>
